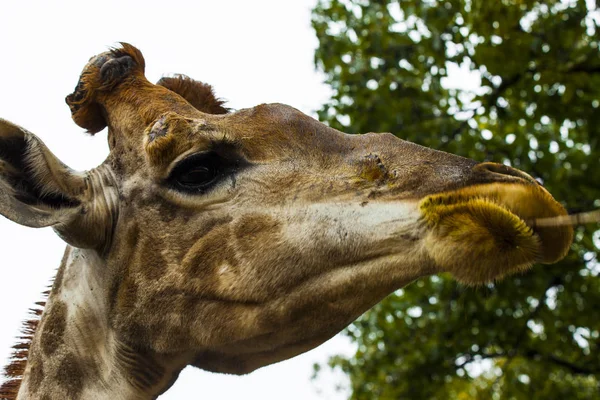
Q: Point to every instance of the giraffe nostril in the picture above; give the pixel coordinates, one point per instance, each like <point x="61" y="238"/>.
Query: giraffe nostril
<point x="501" y="169"/>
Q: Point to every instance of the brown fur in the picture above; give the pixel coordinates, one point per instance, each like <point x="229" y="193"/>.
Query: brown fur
<point x="54" y="328"/>
<point x="297" y="230"/>
<point x="85" y="110"/>
<point x="198" y="94"/>
<point x="71" y="376"/>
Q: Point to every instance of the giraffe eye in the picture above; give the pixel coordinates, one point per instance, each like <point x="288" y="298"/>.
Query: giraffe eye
<point x="197" y="176"/>
<point x="197" y="172"/>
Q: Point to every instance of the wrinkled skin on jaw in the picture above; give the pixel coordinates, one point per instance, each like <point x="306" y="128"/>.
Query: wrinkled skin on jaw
<point x="300" y="230"/>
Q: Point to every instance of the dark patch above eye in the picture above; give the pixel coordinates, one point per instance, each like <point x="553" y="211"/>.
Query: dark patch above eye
<point x="199" y="172"/>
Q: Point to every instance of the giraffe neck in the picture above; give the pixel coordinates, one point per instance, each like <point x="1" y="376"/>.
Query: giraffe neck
<point x="76" y="355"/>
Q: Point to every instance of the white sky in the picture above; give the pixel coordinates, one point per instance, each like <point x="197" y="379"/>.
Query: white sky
<point x="252" y="52"/>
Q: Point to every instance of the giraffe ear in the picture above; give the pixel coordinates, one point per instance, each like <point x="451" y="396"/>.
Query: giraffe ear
<point x="38" y="190"/>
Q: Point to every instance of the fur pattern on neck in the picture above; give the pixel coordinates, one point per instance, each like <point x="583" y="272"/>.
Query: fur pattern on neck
<point x="71" y="352"/>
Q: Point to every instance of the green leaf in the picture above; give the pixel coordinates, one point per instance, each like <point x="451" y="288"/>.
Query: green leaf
<point x="522" y="338"/>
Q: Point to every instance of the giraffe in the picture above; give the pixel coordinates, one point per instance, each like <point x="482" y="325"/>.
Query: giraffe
<point x="233" y="240"/>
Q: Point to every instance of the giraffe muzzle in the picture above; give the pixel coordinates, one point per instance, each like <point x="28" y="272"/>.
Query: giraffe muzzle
<point x="481" y="232"/>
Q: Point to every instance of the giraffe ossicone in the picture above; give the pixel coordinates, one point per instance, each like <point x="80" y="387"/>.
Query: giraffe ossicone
<point x="233" y="240"/>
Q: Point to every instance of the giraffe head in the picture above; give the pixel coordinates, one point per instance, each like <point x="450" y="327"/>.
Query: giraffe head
<point x="243" y="238"/>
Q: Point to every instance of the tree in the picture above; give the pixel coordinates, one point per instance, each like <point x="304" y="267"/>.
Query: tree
<point x="531" y="101"/>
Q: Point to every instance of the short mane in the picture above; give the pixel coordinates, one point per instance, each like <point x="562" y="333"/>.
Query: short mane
<point x="199" y="94"/>
<point x="18" y="361"/>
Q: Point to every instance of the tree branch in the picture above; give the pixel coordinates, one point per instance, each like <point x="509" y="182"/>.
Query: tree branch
<point x="471" y="357"/>
<point x="533" y="355"/>
<point x="590" y="69"/>
<point x="574" y="368"/>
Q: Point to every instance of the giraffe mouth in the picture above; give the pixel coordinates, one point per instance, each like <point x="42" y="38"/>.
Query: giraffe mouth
<point x="495" y="223"/>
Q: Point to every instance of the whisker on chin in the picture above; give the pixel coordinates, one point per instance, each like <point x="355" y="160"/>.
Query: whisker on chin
<point x="564" y="220"/>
